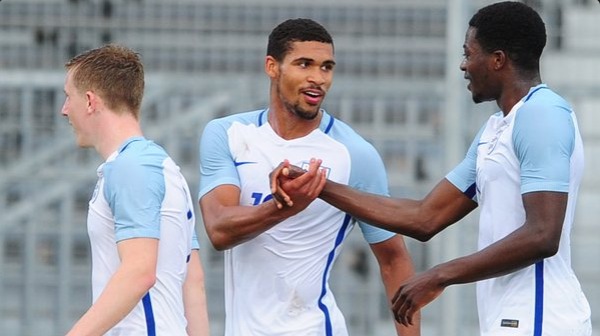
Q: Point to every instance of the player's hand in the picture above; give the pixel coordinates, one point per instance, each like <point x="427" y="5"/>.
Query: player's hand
<point x="414" y="294"/>
<point x="291" y="182"/>
<point x="280" y="173"/>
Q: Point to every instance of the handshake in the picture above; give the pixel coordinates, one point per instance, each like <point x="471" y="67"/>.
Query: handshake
<point x="289" y="183"/>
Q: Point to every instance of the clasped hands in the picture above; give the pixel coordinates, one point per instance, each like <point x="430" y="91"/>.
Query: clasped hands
<point x="292" y="186"/>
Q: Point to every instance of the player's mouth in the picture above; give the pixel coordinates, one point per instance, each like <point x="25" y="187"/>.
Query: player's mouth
<point x="313" y="96"/>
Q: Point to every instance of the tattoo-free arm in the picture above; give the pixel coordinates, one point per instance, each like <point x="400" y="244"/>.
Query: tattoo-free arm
<point x="536" y="239"/>
<point x="132" y="280"/>
<point x="395" y="266"/>
<point x="420" y="219"/>
<point x="194" y="298"/>
<point x="228" y="223"/>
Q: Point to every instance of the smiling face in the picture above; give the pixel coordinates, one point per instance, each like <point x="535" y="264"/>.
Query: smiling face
<point x="75" y="108"/>
<point x="478" y="66"/>
<point x="302" y="79"/>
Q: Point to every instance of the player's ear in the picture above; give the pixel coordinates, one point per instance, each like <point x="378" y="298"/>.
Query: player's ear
<point x="271" y="67"/>
<point x="499" y="59"/>
<point x="92" y="101"/>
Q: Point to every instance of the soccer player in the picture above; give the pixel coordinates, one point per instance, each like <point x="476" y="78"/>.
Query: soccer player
<point x="523" y="169"/>
<point x="278" y="261"/>
<point x="146" y="272"/>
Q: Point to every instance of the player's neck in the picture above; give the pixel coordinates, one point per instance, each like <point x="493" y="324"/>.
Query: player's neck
<point x="514" y="92"/>
<point x="291" y="126"/>
<point x="114" y="131"/>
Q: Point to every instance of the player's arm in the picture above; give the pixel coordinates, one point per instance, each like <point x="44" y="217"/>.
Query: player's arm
<point x="132" y="280"/>
<point x="228" y="223"/>
<point x="420" y="219"/>
<point x="449" y="201"/>
<point x="545" y="159"/>
<point x="194" y="297"/>
<point x="538" y="238"/>
<point x="395" y="265"/>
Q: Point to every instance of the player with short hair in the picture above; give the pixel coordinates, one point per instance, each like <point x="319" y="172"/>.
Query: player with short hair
<point x="278" y="261"/>
<point x="146" y="271"/>
<point x="523" y="169"/>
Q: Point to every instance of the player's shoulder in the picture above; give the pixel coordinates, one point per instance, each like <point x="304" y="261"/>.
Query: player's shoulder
<point x="138" y="153"/>
<point x="546" y="97"/>
<point x="249" y="117"/>
<point x="342" y="132"/>
<point x="338" y="128"/>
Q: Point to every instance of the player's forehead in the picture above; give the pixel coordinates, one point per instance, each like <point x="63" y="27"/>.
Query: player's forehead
<point x="310" y="50"/>
<point x="471" y="43"/>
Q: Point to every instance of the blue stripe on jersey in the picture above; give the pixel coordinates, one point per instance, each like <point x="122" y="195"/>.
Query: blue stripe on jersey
<point x="330" y="125"/>
<point x="260" y="117"/>
<point x="534" y="90"/>
<point x="150" y="325"/>
<point x="338" y="241"/>
<point x="539" y="298"/>
<point x="470" y="192"/>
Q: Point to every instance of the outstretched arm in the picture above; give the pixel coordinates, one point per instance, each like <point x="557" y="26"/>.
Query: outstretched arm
<point x="420" y="219"/>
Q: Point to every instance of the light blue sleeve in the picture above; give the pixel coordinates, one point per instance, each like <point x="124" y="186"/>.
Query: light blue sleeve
<point x="135" y="190"/>
<point x="195" y="241"/>
<point x="367" y="174"/>
<point x="544" y="138"/>
<point x="463" y="176"/>
<point x="217" y="166"/>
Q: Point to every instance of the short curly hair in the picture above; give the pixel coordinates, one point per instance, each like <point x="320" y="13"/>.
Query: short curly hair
<point x="295" y="30"/>
<point x="514" y="28"/>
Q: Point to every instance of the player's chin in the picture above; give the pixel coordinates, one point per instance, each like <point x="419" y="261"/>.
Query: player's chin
<point x="83" y="143"/>
<point x="309" y="113"/>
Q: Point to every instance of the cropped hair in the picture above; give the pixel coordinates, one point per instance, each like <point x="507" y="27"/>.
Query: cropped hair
<point x="113" y="72"/>
<point x="514" y="28"/>
<point x="295" y="30"/>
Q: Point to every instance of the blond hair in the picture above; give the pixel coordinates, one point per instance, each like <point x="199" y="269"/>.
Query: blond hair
<point x="113" y="72"/>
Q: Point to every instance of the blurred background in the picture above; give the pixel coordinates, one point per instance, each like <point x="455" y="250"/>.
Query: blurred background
<point x="397" y="82"/>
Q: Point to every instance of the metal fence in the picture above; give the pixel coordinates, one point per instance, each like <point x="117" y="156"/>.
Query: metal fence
<point x="204" y="59"/>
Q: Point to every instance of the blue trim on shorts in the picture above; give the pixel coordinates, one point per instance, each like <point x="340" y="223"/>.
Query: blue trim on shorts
<point x="539" y="298"/>
<point x="338" y="241"/>
<point x="150" y="325"/>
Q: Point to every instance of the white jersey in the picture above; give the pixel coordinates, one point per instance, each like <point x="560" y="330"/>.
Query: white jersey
<point x="141" y="193"/>
<point x="536" y="147"/>
<point x="277" y="283"/>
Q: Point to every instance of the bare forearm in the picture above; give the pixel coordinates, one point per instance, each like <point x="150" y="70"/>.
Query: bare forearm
<point x="520" y="249"/>
<point x="397" y="215"/>
<point x="395" y="266"/>
<point x="537" y="238"/>
<point x="232" y="225"/>
<point x="194" y="298"/>
<point x="392" y="278"/>
<point x="123" y="292"/>
<point x="419" y="219"/>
